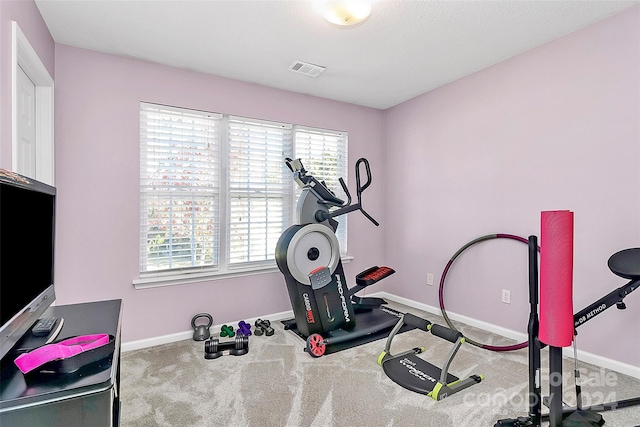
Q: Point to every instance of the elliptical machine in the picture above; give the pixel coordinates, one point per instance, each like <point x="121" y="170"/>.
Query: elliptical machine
<point x="308" y="255"/>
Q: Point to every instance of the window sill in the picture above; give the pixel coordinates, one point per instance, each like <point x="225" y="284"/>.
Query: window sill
<point x="156" y="281"/>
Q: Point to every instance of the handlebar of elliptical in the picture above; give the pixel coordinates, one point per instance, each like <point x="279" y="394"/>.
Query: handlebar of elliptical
<point x="346" y="191"/>
<point x="348" y="207"/>
<point x="360" y="188"/>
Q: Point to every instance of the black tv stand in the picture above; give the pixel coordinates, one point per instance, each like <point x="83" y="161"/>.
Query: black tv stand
<point x="30" y="342"/>
<point x="89" y="397"/>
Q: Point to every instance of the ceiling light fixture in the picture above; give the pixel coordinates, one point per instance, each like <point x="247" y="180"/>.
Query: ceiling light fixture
<point x="346" y="13"/>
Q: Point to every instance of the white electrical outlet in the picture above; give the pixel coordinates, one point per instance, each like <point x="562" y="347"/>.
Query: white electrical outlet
<point x="506" y="296"/>
<point x="429" y="279"/>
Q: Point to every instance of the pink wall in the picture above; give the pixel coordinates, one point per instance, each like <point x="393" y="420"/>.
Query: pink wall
<point x="555" y="128"/>
<point x="28" y="17"/>
<point x="97" y="164"/>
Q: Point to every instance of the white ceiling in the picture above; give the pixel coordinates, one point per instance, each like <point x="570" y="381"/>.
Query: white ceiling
<point x="404" y="49"/>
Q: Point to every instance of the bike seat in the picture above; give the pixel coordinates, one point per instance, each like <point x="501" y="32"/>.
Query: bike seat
<point x="626" y="263"/>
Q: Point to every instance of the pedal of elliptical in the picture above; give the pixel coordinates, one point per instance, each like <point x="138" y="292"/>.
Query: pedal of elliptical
<point x="373" y="275"/>
<point x="367" y="302"/>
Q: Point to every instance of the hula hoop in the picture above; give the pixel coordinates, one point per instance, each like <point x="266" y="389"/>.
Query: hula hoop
<point x="441" y="291"/>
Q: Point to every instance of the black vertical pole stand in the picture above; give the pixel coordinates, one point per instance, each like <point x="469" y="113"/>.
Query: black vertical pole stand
<point x="535" y="387"/>
<point x="558" y="413"/>
<point x="555" y="386"/>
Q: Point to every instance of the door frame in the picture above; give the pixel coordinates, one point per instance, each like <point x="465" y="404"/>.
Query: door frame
<point x="23" y="55"/>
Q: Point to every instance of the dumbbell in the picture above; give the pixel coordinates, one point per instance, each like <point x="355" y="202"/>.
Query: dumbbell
<point x="213" y="348"/>
<point x="244" y="328"/>
<point x="263" y="327"/>
<point x="227" y="331"/>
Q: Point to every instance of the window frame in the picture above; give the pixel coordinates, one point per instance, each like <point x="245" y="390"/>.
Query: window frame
<point x="225" y="270"/>
<point x="287" y="194"/>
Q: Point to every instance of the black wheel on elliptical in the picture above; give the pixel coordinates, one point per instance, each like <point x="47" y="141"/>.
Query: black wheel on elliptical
<point x="315" y="345"/>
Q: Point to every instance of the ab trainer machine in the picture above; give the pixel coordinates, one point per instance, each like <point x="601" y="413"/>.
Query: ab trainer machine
<point x="416" y="374"/>
<point x="308" y="255"/>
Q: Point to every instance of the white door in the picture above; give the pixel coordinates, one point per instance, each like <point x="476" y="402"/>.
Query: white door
<point x="26" y="125"/>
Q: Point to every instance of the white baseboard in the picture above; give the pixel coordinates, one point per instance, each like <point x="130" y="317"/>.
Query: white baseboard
<point x="583" y="356"/>
<point x="489" y="327"/>
<point x="187" y="335"/>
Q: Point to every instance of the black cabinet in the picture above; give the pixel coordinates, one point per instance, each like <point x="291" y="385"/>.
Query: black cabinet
<point x="88" y="397"/>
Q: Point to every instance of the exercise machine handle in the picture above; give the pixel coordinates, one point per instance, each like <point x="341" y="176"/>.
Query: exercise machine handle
<point x="369" y="217"/>
<point x="418" y="322"/>
<point x="348" y="207"/>
<point x="445" y="333"/>
<point x="361" y="188"/>
<point x="346" y="191"/>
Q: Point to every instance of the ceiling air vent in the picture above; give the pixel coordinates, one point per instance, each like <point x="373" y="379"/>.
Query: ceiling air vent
<point x="307" y="69"/>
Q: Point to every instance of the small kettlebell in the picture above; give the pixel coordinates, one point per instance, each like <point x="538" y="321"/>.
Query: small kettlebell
<point x="201" y="332"/>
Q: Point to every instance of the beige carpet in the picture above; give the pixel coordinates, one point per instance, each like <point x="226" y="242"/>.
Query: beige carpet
<point x="278" y="384"/>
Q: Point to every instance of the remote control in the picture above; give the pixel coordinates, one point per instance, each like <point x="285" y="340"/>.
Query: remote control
<point x="44" y="326"/>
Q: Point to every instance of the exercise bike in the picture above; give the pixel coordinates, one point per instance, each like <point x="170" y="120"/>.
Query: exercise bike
<point x="327" y="313"/>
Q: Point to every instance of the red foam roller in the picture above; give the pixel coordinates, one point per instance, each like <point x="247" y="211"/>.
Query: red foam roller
<point x="556" y="278"/>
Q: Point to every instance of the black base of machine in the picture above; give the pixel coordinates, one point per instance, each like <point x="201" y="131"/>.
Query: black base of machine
<point x="365" y="320"/>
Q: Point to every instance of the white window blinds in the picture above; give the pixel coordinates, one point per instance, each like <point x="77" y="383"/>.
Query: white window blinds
<point x="324" y="155"/>
<point x="260" y="194"/>
<point x="180" y="188"/>
<point x="215" y="193"/>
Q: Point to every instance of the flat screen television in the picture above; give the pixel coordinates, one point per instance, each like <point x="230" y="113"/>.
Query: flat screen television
<point x="27" y="242"/>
